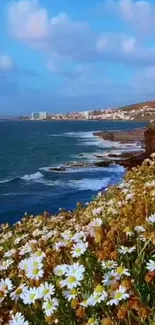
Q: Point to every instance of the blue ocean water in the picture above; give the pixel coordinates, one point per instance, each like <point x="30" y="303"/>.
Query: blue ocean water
<point x="29" y="148"/>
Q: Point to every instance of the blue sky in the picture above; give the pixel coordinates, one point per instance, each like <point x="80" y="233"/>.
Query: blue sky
<point x="75" y="55"/>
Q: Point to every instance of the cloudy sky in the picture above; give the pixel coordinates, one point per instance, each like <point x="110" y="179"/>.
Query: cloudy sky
<point x="75" y="55"/>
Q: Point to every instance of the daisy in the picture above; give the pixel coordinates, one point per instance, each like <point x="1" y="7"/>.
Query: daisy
<point x="139" y="228"/>
<point x="34" y="273"/>
<point x="18" y="319"/>
<point x="46" y="290"/>
<point x="29" y="296"/>
<point x="4" y="264"/>
<point x="124" y="250"/>
<point x="60" y="270"/>
<point x="25" y="249"/>
<point x="119" y="295"/>
<point x="9" y="253"/>
<point x="151" y="219"/>
<point x="110" y="264"/>
<point x="59" y="245"/>
<point x="128" y="231"/>
<point x="96" y="223"/>
<point x="150" y="265"/>
<point x="6" y="285"/>
<point x="75" y="274"/>
<point x="79" y="236"/>
<point x="16" y="294"/>
<point x="110" y="278"/>
<point x="39" y="255"/>
<point x="121" y="270"/>
<point x="70" y="294"/>
<point x="50" y="306"/>
<point x="79" y="249"/>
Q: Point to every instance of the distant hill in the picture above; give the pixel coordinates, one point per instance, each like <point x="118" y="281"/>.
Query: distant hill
<point x="139" y="105"/>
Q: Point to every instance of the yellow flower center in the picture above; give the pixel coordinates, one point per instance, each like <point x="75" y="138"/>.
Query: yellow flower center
<point x="78" y="250"/>
<point x="71" y="279"/>
<point x="91" y="321"/>
<point x="99" y="288"/>
<point x="18" y="291"/>
<point x="118" y="295"/>
<point x="120" y="270"/>
<point x="49" y="305"/>
<point x="45" y="291"/>
<point x="32" y="296"/>
<point x="35" y="271"/>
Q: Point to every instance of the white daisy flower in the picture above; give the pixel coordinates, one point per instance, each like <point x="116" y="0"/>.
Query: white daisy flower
<point x="29" y="296"/>
<point x="66" y="235"/>
<point x="18" y="319"/>
<point x="70" y="294"/>
<point x="96" y="223"/>
<point x="16" y="294"/>
<point x="151" y="219"/>
<point x="96" y="298"/>
<point x="9" y="253"/>
<point x="79" y="249"/>
<point x="25" y="249"/>
<point x="5" y="264"/>
<point x="39" y="255"/>
<point x="118" y="295"/>
<point x="79" y="236"/>
<point x="46" y="290"/>
<point x="75" y="274"/>
<point x="34" y="273"/>
<point x="50" y="306"/>
<point x="121" y="270"/>
<point x="150" y="265"/>
<point x="110" y="264"/>
<point x="59" y="245"/>
<point x="139" y="228"/>
<point x="60" y="270"/>
<point x="6" y="285"/>
<point x="126" y="250"/>
<point x="110" y="278"/>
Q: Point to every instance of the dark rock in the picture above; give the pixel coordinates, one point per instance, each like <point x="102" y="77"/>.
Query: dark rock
<point x="103" y="163"/>
<point x="149" y="141"/>
<point x="58" y="169"/>
<point x="104" y="135"/>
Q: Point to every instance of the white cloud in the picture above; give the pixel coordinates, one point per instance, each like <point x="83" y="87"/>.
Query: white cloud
<point x="140" y="14"/>
<point x="28" y="21"/>
<point x="6" y="63"/>
<point x="61" y="37"/>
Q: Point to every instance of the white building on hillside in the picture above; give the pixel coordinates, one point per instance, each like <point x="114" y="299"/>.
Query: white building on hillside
<point x="39" y="116"/>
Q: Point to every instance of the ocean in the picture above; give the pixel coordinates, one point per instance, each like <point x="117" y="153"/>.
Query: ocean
<point x="29" y="148"/>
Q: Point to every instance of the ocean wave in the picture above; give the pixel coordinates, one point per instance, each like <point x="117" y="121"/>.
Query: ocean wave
<point x="90" y="184"/>
<point x="111" y="168"/>
<point x="32" y="177"/>
<point x="9" y="180"/>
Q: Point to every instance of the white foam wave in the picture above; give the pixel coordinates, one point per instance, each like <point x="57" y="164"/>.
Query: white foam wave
<point x="32" y="177"/>
<point x="7" y="180"/>
<point x="89" y="184"/>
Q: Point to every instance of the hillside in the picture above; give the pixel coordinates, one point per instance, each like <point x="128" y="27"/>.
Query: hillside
<point x="92" y="266"/>
<point x="139" y="106"/>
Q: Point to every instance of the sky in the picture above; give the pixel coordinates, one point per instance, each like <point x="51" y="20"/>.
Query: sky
<point x="64" y="55"/>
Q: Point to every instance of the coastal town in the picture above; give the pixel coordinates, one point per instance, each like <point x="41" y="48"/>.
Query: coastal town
<point x="136" y="112"/>
<point x="141" y="111"/>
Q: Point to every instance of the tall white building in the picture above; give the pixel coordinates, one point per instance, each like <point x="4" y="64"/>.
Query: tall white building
<point x="39" y="115"/>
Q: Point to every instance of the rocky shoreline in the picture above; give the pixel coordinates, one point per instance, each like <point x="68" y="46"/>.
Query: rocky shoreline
<point x="140" y="137"/>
